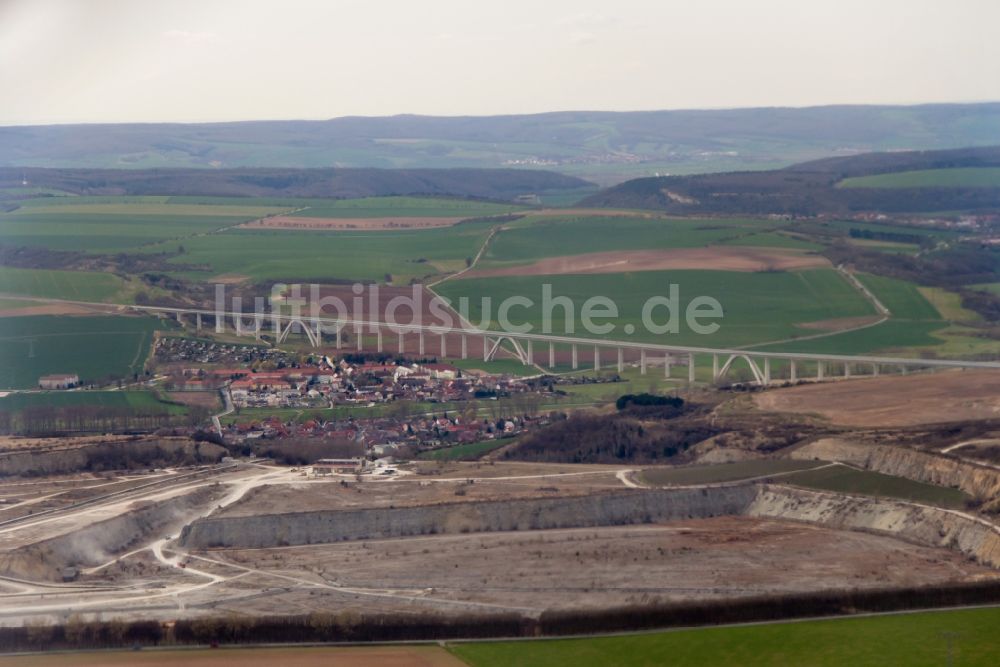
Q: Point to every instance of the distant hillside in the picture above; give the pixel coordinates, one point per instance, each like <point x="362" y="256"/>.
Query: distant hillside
<point x="604" y="146"/>
<point x="810" y="188"/>
<point x="502" y="184"/>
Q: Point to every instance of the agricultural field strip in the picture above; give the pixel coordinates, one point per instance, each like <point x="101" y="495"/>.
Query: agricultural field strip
<point x="565" y="340"/>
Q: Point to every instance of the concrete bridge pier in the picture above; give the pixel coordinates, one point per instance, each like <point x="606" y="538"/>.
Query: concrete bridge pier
<point x="378" y="340"/>
<point x="791" y="370"/>
<point x="552" y="355"/>
<point x="819" y="370"/>
<point x="465" y="347"/>
<point x="902" y="370"/>
<point x="691" y="368"/>
<point x="340" y="340"/>
<point x="529" y="354"/>
<point x="486" y="348"/>
<point x="444" y="346"/>
<point x="401" y="341"/>
<point x="767" y="371"/>
<point x="666" y="366"/>
<point x="715" y="368"/>
<point x="420" y="342"/>
<point x="220" y="323"/>
<point x="197" y="322"/>
<point x="875" y="370"/>
<point x="575" y="360"/>
<point x="642" y="362"/>
<point x="359" y="332"/>
<point x="621" y="360"/>
<point x="319" y="335"/>
<point x="597" y="358"/>
<point x="847" y="370"/>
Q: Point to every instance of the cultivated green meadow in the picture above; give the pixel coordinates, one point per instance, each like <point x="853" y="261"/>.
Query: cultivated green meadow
<point x="333" y="256"/>
<point x="757" y="307"/>
<point x="114" y="224"/>
<point x="914" y="640"/>
<point x="94" y="348"/>
<point x="385" y="207"/>
<point x="145" y="402"/>
<point x="541" y="237"/>
<point x="903" y="299"/>
<point x="52" y="284"/>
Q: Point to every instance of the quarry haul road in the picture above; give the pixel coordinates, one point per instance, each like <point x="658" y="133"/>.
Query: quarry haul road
<point x="91" y="597"/>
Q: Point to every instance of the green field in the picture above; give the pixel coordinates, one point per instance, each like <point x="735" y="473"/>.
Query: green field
<point x="723" y="472"/>
<point x="541" y="237"/>
<point x="139" y="401"/>
<point x="386" y="207"/>
<point x="868" y="483"/>
<point x="757" y="307"/>
<point x="915" y="640"/>
<point x="72" y="285"/>
<point x="113" y="224"/>
<point x="903" y="299"/>
<point x="961" y="177"/>
<point x="319" y="256"/>
<point x="889" y="336"/>
<point x="95" y="348"/>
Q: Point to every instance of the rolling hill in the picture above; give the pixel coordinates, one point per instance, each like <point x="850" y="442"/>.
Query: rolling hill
<point x="606" y="147"/>
<point x="814" y="187"/>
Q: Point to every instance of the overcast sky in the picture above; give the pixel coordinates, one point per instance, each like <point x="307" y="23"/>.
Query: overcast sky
<point x="198" y="60"/>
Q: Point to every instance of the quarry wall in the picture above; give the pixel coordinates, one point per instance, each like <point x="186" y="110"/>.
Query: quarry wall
<point x="616" y="508"/>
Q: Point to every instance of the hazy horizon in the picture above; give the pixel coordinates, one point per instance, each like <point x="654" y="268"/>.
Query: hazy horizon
<point x="115" y="61"/>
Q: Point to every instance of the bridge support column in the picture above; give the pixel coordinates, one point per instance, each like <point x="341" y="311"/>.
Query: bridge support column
<point x="444" y="346"/>
<point x="767" y="371"/>
<point x="339" y="339"/>
<point x="666" y="366"/>
<point x="715" y="368"/>
<point x="621" y="360"/>
<point x="256" y="327"/>
<point x="875" y="370"/>
<point x="847" y="370"/>
<point x="642" y="362"/>
<point x="420" y="342"/>
<point x="902" y="370"/>
<point x="486" y="348"/>
<point x="401" y="341"/>
<point x="691" y="368"/>
<point x="378" y="340"/>
<point x="197" y="322"/>
<point x="465" y="346"/>
<point x="552" y="355"/>
<point x="575" y="361"/>
<point x="220" y="323"/>
<point x="791" y="372"/>
<point x="529" y="353"/>
<point x="819" y="370"/>
<point x="597" y="358"/>
<point x="319" y="334"/>
<point x="359" y="333"/>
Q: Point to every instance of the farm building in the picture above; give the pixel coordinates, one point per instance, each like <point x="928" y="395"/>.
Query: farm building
<point x="339" y="466"/>
<point x="59" y="381"/>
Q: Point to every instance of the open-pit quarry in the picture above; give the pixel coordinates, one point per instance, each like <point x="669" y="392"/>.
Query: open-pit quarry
<point x="834" y="508"/>
<point x="459" y="538"/>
